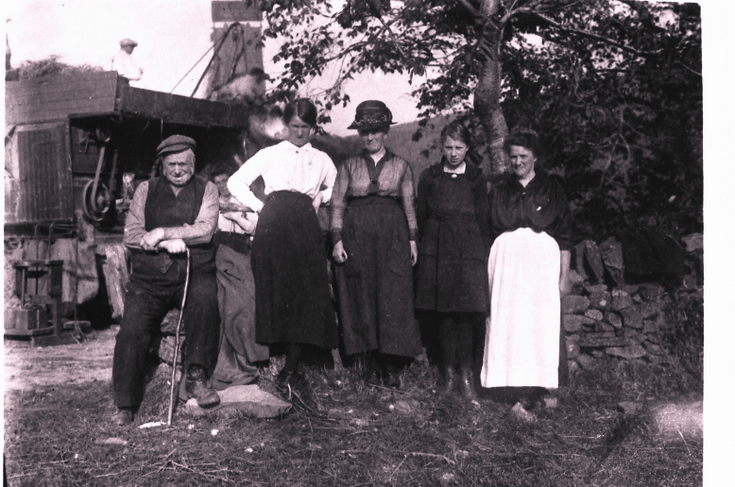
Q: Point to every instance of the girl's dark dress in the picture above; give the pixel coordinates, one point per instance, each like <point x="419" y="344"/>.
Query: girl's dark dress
<point x="452" y="212"/>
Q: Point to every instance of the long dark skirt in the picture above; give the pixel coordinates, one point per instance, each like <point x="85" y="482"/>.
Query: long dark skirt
<point x="292" y="300"/>
<point x="375" y="285"/>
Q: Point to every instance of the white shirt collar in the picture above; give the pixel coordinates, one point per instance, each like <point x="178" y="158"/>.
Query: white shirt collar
<point x="458" y="170"/>
<point x="287" y="144"/>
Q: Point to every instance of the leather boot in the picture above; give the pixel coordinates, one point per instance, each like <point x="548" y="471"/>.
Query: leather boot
<point x="122" y="417"/>
<point x="450" y="380"/>
<point x="466" y="383"/>
<point x="391" y="376"/>
<point x="198" y="387"/>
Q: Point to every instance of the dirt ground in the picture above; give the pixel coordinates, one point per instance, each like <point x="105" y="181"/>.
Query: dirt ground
<point x="28" y="367"/>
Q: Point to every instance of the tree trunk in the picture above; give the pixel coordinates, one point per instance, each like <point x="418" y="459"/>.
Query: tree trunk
<point x="487" y="92"/>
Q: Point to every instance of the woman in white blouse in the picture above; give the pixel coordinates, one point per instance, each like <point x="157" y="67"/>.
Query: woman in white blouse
<point x="293" y="303"/>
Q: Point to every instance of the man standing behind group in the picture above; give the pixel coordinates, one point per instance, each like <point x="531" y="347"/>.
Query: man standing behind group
<point x="124" y="63"/>
<point x="168" y="215"/>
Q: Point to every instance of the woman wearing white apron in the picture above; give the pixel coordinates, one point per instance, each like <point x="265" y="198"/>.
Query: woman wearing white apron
<point x="527" y="270"/>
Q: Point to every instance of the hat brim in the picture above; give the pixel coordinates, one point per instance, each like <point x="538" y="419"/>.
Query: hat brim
<point x="355" y="126"/>
<point x="175" y="148"/>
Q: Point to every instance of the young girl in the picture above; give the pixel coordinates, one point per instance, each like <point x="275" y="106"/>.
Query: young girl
<point x="452" y="212"/>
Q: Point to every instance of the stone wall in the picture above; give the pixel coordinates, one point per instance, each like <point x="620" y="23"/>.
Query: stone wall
<point x="605" y="317"/>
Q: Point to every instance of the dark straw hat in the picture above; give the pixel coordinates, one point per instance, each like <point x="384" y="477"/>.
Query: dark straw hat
<point x="371" y="114"/>
<point x="175" y="143"/>
<point x="127" y="42"/>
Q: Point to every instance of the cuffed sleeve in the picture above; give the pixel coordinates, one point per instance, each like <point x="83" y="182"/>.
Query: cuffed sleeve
<point x="135" y="221"/>
<point x="422" y="203"/>
<point x="407" y="196"/>
<point x="339" y="202"/>
<point x="329" y="180"/>
<point x="239" y="183"/>
<point x="205" y="224"/>
<point x="482" y="210"/>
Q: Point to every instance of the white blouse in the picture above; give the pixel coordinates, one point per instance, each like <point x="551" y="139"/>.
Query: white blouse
<point x="285" y="167"/>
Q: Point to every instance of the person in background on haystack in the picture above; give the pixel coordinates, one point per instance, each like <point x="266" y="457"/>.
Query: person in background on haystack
<point x="124" y="63"/>
<point x="168" y="215"/>
<point x="235" y="289"/>
<point x="374" y="233"/>
<point x="293" y="302"/>
<point x="528" y="272"/>
<point x="453" y="217"/>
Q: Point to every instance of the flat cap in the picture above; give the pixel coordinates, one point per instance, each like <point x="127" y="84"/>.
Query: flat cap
<point x="175" y="143"/>
<point x="127" y="42"/>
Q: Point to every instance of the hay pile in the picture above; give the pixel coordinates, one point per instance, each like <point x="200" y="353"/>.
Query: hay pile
<point x="47" y="68"/>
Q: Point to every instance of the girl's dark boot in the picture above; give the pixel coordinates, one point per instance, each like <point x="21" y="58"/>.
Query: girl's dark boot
<point x="466" y="383"/>
<point x="450" y="380"/>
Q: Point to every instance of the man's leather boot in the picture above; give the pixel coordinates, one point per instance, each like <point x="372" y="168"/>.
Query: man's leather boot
<point x="198" y="387"/>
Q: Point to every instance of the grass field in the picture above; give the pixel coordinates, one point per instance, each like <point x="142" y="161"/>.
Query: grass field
<point x="345" y="433"/>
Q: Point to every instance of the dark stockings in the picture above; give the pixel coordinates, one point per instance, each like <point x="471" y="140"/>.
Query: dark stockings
<point x="293" y="355"/>
<point x="456" y="340"/>
<point x="455" y="332"/>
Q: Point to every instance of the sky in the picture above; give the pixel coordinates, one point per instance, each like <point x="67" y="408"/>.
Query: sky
<point x="172" y="37"/>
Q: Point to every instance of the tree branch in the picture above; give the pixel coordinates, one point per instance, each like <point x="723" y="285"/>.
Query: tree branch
<point x="590" y="35"/>
<point x="471" y="9"/>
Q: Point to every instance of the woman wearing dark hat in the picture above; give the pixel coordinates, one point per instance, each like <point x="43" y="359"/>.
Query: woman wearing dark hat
<point x="293" y="303"/>
<point x="374" y="232"/>
<point x="528" y="269"/>
<point x="452" y="212"/>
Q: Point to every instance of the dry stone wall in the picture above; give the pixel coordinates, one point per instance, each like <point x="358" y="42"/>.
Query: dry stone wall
<point x="607" y="318"/>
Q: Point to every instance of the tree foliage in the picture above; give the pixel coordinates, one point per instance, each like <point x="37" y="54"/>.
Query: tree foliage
<point x="613" y="87"/>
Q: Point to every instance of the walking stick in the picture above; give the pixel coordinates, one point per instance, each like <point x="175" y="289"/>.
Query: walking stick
<point x="176" y="343"/>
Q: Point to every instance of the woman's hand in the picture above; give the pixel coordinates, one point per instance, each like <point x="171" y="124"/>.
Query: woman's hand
<point x="246" y="222"/>
<point x="339" y="253"/>
<point x="414" y="253"/>
<point x="317" y="201"/>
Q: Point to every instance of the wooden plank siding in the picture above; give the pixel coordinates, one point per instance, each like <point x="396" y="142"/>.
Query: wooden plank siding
<point x="41" y="166"/>
<point x="105" y="93"/>
<point x="180" y="109"/>
<point x="55" y="99"/>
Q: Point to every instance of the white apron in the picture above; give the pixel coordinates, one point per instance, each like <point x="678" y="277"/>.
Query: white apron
<point x="522" y="339"/>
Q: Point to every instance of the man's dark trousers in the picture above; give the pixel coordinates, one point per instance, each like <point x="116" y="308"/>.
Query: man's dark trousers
<point x="150" y="295"/>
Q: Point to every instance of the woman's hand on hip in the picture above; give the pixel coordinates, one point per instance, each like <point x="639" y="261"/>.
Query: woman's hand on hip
<point x="339" y="253"/>
<point x="317" y="202"/>
<point x="414" y="253"/>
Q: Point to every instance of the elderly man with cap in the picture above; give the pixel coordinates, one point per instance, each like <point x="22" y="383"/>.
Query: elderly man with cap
<point x="124" y="63"/>
<point x="168" y="215"/>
